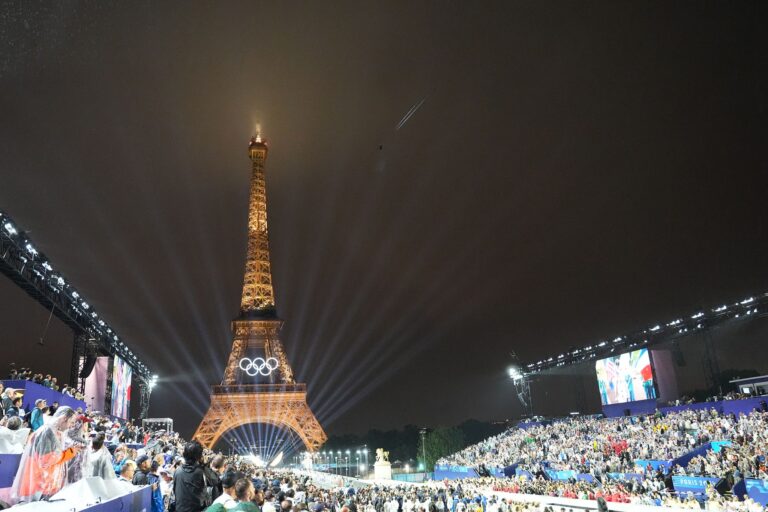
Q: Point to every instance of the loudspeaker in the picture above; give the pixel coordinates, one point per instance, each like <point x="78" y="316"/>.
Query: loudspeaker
<point x="90" y="362"/>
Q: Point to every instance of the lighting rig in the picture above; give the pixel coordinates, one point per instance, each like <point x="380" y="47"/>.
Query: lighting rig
<point x="32" y="271"/>
<point x="522" y="383"/>
<point x="699" y="321"/>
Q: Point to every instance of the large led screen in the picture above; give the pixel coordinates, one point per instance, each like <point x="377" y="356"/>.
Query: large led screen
<point x="121" y="388"/>
<point x="96" y="385"/>
<point x="625" y="378"/>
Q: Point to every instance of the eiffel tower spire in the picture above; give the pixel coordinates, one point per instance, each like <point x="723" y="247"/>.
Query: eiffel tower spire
<point x="258" y="299"/>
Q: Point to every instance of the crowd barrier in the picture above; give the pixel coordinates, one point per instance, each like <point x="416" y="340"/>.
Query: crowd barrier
<point x="525" y="425"/>
<point x="743" y="406"/>
<point x="96" y="495"/>
<point x="88" y="495"/>
<point x="34" y="391"/>
<point x="444" y="471"/>
<point x="8" y="466"/>
<point x="580" y="505"/>
<point x="635" y="408"/>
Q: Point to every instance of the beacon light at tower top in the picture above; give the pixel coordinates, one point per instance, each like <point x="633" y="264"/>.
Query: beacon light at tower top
<point x="680" y="326"/>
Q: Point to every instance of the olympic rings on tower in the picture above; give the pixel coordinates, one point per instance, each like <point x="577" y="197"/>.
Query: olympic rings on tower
<point x="258" y="366"/>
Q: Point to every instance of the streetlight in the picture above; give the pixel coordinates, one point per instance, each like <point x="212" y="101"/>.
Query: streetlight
<point x="423" y="433"/>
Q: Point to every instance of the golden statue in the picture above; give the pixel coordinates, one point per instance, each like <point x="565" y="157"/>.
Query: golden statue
<point x="381" y="455"/>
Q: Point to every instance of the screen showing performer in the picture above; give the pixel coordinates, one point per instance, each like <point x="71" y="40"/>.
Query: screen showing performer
<point x="625" y="378"/>
<point x="121" y="388"/>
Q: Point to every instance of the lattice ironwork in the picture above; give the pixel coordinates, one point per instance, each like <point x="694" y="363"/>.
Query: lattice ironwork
<point x="283" y="409"/>
<point x="233" y="403"/>
<point x="258" y="295"/>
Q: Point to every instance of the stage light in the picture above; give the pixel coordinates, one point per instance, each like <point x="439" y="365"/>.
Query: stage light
<point x="747" y="301"/>
<point x="514" y="373"/>
<point x="75" y="295"/>
<point x="10" y="229"/>
<point x="31" y="250"/>
<point x="85" y="305"/>
<point x="697" y="315"/>
<point x="721" y="308"/>
<point x="47" y="266"/>
<point x="655" y="328"/>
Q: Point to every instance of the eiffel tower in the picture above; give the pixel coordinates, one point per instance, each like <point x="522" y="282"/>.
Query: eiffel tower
<point x="258" y="384"/>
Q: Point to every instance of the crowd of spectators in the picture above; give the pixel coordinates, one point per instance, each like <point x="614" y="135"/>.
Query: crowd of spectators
<point x="745" y="456"/>
<point x="598" y="446"/>
<point x="44" y="380"/>
<point x="66" y="445"/>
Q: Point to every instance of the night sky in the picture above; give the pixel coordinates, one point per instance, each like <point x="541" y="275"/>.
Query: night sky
<point x="576" y="170"/>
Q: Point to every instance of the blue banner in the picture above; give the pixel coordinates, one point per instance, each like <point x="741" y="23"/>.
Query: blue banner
<point x="586" y="477"/>
<point x="443" y="471"/>
<point x="718" y="445"/>
<point x="683" y="460"/>
<point x="523" y="473"/>
<point x="655" y="464"/>
<point x="626" y="476"/>
<point x="757" y="490"/>
<point x="560" y="475"/>
<point x="694" y="484"/>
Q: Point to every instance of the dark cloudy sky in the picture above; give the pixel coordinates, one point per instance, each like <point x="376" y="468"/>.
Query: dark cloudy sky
<point x="577" y="170"/>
